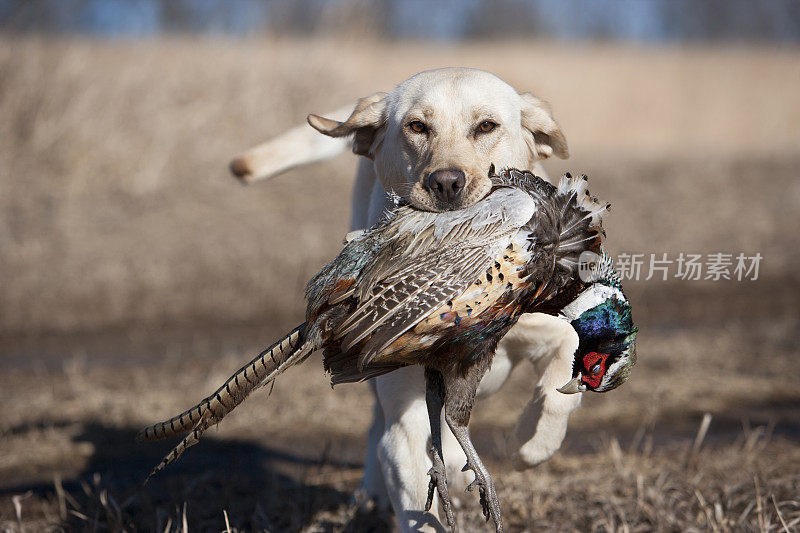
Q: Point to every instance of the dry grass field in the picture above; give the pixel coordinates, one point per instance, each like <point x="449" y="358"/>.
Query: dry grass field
<point x="135" y="275"/>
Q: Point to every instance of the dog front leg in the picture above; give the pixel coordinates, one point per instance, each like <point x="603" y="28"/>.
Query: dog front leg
<point x="549" y="343"/>
<point x="372" y="490"/>
<point x="403" y="448"/>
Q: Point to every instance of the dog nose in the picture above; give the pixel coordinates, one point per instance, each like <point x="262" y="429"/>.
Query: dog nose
<point x="446" y="184"/>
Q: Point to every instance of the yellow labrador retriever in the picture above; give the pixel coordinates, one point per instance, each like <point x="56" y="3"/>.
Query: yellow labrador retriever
<point x="432" y="140"/>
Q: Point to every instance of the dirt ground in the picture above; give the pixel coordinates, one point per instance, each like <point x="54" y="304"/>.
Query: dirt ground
<point x="136" y="276"/>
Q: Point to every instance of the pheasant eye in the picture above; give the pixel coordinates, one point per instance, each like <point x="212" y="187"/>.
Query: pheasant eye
<point x="596" y="369"/>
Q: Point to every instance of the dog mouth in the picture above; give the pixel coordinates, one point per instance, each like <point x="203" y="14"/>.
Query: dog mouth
<point x="449" y="190"/>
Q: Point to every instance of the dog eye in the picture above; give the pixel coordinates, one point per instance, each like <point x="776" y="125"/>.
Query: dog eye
<point x="486" y="126"/>
<point x="417" y="126"/>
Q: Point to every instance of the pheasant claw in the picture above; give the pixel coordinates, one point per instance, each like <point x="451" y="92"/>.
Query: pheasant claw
<point x="438" y="482"/>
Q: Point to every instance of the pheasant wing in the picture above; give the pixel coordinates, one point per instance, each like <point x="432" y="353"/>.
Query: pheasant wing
<point x="410" y="295"/>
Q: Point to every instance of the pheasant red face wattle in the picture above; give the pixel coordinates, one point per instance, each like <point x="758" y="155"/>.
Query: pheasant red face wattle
<point x="595" y="365"/>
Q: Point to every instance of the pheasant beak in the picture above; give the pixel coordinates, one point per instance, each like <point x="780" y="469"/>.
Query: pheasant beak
<point x="573" y="386"/>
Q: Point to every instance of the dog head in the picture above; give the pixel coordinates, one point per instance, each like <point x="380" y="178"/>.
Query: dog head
<point x="435" y="136"/>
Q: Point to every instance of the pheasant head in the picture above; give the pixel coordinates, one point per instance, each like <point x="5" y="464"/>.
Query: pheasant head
<point x="601" y="316"/>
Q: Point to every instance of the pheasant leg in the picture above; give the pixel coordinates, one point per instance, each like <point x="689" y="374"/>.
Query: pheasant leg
<point x="488" y="494"/>
<point x="434" y="398"/>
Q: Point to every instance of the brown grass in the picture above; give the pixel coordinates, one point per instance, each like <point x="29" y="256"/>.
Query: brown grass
<point x="630" y="462"/>
<point x="136" y="275"/>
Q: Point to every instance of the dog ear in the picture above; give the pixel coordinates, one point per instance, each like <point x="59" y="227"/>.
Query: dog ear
<point x="366" y="121"/>
<point x="546" y="138"/>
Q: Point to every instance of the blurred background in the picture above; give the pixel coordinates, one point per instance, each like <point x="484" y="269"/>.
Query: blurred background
<point x="136" y="274"/>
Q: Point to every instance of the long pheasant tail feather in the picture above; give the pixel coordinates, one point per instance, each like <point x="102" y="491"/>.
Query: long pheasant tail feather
<point x="190" y="440"/>
<point x="262" y="370"/>
<point x="254" y="374"/>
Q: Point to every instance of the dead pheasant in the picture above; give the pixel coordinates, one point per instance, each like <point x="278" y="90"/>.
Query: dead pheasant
<point x="440" y="290"/>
